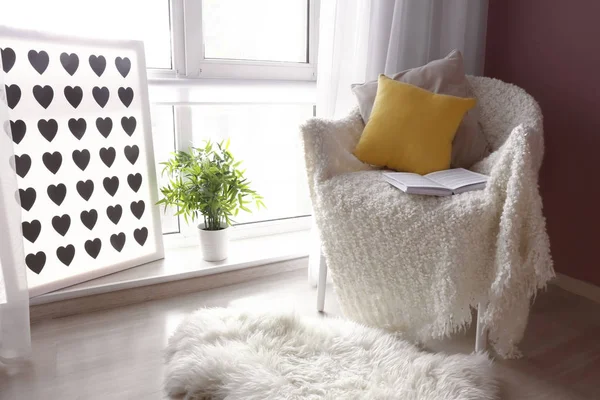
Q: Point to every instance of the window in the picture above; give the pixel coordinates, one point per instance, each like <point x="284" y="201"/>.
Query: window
<point x="231" y="31"/>
<point x="266" y="139"/>
<point x="262" y="51"/>
<point x="259" y="39"/>
<point x="106" y="19"/>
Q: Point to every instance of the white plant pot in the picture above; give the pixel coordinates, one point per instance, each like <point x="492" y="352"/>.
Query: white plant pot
<point x="215" y="244"/>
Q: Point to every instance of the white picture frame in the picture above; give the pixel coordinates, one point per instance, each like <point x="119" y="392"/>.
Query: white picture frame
<point x="94" y="80"/>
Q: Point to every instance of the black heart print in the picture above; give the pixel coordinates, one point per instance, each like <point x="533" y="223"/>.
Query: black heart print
<point x="128" y="125"/>
<point x="104" y="126"/>
<point x="77" y="127"/>
<point x="140" y="235"/>
<point x="114" y="213"/>
<point x="89" y="218"/>
<point x="134" y="181"/>
<point x="74" y="95"/>
<point x="123" y="66"/>
<point x="39" y="61"/>
<point x="13" y="95"/>
<point x="93" y="247"/>
<point x="126" y="96"/>
<point x="66" y="254"/>
<point x="111" y="185"/>
<point x="85" y="189"/>
<point x="98" y="64"/>
<point x="107" y="155"/>
<point x="61" y="224"/>
<point x="48" y="128"/>
<point x="27" y="198"/>
<point x="101" y="95"/>
<point x="132" y="153"/>
<point x="57" y="193"/>
<point x="36" y="262"/>
<point x="81" y="158"/>
<point x="22" y="165"/>
<point x="70" y="62"/>
<point x="31" y="230"/>
<point x="8" y="58"/>
<point x="118" y="241"/>
<point x="18" y="129"/>
<point x="43" y="95"/>
<point x="52" y="161"/>
<point x="137" y="208"/>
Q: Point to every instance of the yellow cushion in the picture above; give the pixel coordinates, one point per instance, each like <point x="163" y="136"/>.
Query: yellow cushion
<point x="411" y="129"/>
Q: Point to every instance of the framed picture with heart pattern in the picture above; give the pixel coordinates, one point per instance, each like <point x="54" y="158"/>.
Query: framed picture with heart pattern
<point x="79" y="119"/>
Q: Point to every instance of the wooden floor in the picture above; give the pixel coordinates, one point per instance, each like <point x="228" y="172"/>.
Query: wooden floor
<point x="116" y="354"/>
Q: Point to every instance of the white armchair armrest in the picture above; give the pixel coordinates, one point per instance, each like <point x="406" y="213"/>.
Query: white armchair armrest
<point x="329" y="147"/>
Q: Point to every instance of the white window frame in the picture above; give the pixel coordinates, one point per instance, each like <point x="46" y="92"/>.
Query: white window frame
<point x="189" y="69"/>
<point x="199" y="67"/>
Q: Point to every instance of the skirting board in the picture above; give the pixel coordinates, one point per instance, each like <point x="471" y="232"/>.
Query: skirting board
<point x="581" y="288"/>
<point x="141" y="294"/>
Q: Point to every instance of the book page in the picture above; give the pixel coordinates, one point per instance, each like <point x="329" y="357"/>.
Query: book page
<point x="409" y="180"/>
<point x="457" y="178"/>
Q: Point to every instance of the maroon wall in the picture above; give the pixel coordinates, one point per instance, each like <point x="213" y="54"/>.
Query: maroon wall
<point x="552" y="50"/>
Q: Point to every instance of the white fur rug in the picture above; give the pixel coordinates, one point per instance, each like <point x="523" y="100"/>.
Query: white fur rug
<point x="230" y="354"/>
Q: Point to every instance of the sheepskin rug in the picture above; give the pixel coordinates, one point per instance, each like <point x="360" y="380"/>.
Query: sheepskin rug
<point x="223" y="353"/>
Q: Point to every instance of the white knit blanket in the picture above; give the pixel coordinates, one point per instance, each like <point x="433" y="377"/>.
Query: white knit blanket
<point x="420" y="264"/>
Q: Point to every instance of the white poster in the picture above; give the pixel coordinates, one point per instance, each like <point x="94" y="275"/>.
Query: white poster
<point x="80" y="125"/>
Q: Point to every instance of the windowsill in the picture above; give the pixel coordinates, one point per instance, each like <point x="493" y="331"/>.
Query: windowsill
<point x="185" y="263"/>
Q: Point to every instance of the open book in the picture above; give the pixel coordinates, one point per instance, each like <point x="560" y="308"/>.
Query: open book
<point x="440" y="183"/>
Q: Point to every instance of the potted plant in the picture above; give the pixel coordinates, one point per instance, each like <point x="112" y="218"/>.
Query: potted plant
<point x="206" y="181"/>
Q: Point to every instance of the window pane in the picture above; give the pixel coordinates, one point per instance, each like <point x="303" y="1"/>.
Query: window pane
<point x="146" y="20"/>
<point x="163" y="134"/>
<point x="263" y="30"/>
<point x="266" y="138"/>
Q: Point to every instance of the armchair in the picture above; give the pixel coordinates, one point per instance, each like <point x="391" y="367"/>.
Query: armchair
<point x="419" y="264"/>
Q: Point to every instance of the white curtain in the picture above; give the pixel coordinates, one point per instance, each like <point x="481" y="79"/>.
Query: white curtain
<point x="15" y="339"/>
<point x="360" y="39"/>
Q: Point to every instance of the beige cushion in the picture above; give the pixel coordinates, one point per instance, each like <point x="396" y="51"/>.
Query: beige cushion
<point x="445" y="76"/>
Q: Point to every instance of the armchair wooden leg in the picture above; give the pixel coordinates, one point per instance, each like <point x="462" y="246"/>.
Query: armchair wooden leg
<point x="481" y="335"/>
<point x="322" y="284"/>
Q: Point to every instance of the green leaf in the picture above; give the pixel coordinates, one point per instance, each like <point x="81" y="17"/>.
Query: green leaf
<point x="207" y="181"/>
